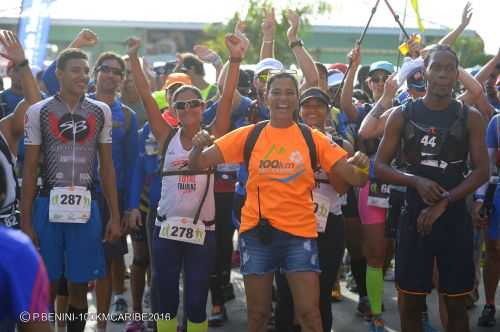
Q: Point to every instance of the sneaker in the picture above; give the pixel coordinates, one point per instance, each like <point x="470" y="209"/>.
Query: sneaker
<point x="487" y="318"/>
<point x="390" y="275"/>
<point x="426" y="325"/>
<point x="336" y="293"/>
<point x="135" y="326"/>
<point x="364" y="309"/>
<point x="118" y="310"/>
<point x="218" y="316"/>
<point x="377" y="325"/>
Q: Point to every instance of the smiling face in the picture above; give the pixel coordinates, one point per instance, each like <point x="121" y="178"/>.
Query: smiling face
<point x="282" y="98"/>
<point x="441" y="74"/>
<point x="376" y="82"/>
<point x="314" y="113"/>
<point x="109" y="76"/>
<point x="189" y="107"/>
<point x="74" y="77"/>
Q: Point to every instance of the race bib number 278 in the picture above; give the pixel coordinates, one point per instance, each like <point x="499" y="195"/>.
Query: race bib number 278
<point x="182" y="229"/>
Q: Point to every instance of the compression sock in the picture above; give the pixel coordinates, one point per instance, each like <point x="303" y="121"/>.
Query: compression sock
<point x="167" y="325"/>
<point x="358" y="269"/>
<point x="77" y="321"/>
<point x="197" y="327"/>
<point x="375" y="288"/>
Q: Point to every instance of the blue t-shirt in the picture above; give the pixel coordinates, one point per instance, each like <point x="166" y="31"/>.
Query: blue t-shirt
<point x="24" y="284"/>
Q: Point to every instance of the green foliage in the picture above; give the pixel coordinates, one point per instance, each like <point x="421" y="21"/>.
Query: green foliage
<point x="215" y="32"/>
<point x="470" y="51"/>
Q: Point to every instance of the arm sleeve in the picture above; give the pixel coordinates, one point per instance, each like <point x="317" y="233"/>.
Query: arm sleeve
<point x="232" y="144"/>
<point x="328" y="153"/>
<point x="131" y="154"/>
<point x="137" y="181"/>
<point x="32" y="132"/>
<point x="50" y="79"/>
<point x="105" y="134"/>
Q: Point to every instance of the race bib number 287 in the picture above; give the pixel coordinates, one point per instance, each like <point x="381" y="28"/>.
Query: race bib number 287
<point x="70" y="205"/>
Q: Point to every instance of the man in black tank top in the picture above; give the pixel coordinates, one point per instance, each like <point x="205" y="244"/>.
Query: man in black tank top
<point x="436" y="135"/>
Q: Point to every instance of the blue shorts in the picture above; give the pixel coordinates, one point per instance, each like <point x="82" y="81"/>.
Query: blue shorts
<point x="75" y="248"/>
<point x="287" y="253"/>
<point x="493" y="228"/>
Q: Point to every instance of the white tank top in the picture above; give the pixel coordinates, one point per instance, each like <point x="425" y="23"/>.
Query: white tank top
<point x="325" y="189"/>
<point x="10" y="191"/>
<point x="181" y="195"/>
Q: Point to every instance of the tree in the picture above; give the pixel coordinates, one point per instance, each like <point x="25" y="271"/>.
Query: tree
<point x="470" y="51"/>
<point x="215" y="32"/>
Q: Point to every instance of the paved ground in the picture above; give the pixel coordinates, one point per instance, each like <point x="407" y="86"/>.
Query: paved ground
<point x="344" y="319"/>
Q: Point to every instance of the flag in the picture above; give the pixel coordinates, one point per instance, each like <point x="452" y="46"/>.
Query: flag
<point x="414" y="4"/>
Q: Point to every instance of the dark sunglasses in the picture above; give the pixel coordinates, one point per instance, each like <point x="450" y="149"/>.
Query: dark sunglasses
<point x="376" y="79"/>
<point x="182" y="105"/>
<point x="107" y="69"/>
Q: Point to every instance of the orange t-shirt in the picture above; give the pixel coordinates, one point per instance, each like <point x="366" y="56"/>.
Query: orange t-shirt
<point x="280" y="166"/>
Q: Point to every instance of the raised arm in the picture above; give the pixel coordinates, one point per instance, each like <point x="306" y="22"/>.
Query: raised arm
<point x="304" y="59"/>
<point x="485" y="72"/>
<point x="451" y="37"/>
<point x="237" y="48"/>
<point x="159" y="127"/>
<point x="209" y="56"/>
<point x="268" y="30"/>
<point x="14" y="123"/>
<point x="346" y="104"/>
<point x="373" y="124"/>
<point x="472" y="87"/>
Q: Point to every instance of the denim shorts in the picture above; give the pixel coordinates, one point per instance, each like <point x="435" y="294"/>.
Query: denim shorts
<point x="286" y="253"/>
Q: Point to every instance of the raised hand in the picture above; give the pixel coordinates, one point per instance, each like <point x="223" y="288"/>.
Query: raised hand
<point x="12" y="48"/>
<point x="239" y="28"/>
<point x="206" y="54"/>
<point x="466" y="15"/>
<point x="85" y="38"/>
<point x="294" y="21"/>
<point x="268" y="25"/>
<point x="237" y="45"/>
<point x="354" y="56"/>
<point x="133" y="45"/>
<point x="391" y="85"/>
<point x="414" y="47"/>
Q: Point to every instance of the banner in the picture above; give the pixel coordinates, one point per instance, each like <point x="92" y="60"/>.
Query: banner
<point x="414" y="4"/>
<point x="34" y="25"/>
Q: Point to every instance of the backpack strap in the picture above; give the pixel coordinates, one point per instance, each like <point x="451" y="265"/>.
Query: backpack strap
<point x="165" y="147"/>
<point x="251" y="140"/>
<point x="313" y="156"/>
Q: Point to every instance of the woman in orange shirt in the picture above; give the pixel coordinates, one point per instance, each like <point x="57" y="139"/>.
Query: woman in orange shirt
<point x="278" y="225"/>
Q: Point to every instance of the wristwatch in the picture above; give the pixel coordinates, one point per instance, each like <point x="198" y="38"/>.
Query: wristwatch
<point x="23" y="63"/>
<point x="298" y="42"/>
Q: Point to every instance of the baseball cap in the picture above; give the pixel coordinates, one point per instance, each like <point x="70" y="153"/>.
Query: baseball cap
<point x="268" y="64"/>
<point x="338" y="66"/>
<point x="314" y="92"/>
<point x="381" y="65"/>
<point x="176" y="78"/>
<point x="335" y="77"/>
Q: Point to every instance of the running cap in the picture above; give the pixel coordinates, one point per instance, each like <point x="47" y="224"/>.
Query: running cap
<point x="176" y="78"/>
<point x="381" y="65"/>
<point x="335" y="77"/>
<point x="268" y="64"/>
<point x="314" y="93"/>
<point x="338" y="66"/>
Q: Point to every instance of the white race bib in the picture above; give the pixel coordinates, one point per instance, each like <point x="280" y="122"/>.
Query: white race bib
<point x="70" y="205"/>
<point x="321" y="210"/>
<point x="182" y="229"/>
<point x="378" y="195"/>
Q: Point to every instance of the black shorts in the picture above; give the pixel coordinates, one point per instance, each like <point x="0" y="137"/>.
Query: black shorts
<point x="450" y="243"/>
<point x="396" y="202"/>
<point x="140" y="234"/>
<point x="119" y="247"/>
<point x="351" y="209"/>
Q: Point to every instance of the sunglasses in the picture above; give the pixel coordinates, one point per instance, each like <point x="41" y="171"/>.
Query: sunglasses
<point x="263" y="77"/>
<point x="376" y="79"/>
<point x="182" y="105"/>
<point x="107" y="69"/>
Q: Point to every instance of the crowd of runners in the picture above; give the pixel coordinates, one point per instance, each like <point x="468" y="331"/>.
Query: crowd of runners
<point x="379" y="163"/>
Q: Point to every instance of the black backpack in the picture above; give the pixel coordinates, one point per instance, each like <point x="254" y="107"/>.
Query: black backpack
<point x="255" y="133"/>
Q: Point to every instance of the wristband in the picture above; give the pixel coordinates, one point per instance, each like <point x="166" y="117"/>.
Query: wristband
<point x="296" y="43"/>
<point x="234" y="60"/>
<point x="21" y="64"/>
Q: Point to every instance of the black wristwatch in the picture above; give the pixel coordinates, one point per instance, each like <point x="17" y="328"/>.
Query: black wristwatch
<point x="21" y="64"/>
<point x="296" y="43"/>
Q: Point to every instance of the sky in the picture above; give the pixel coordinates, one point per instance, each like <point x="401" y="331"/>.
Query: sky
<point x="435" y="13"/>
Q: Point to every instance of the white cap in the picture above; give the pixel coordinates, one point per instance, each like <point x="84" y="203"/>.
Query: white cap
<point x="335" y="77"/>
<point x="268" y="64"/>
<point x="409" y="67"/>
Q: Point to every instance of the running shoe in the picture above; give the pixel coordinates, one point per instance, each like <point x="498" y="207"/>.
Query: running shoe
<point x="135" y="326"/>
<point x="118" y="310"/>
<point x="364" y="309"/>
<point x="487" y="318"/>
<point x="218" y="316"/>
<point x="377" y="325"/>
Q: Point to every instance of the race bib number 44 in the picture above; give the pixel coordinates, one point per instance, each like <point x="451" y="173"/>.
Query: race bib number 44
<point x="70" y="205"/>
<point x="182" y="229"/>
